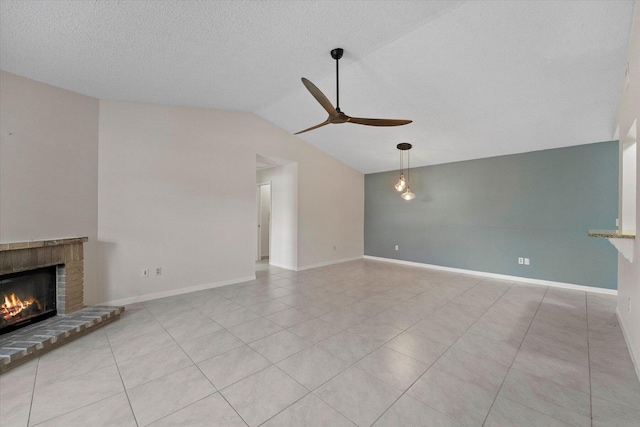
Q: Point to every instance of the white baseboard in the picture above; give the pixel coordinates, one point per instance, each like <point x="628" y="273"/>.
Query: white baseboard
<point x="498" y="276"/>
<point x="634" y="359"/>
<point x="174" y="292"/>
<point x="285" y="266"/>
<point x="180" y="291"/>
<point x="323" y="264"/>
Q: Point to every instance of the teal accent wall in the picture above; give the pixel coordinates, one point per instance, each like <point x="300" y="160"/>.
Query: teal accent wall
<point x="483" y="214"/>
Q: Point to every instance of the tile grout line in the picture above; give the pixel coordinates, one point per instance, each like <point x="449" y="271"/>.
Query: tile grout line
<point x="294" y="402"/>
<point x="228" y="403"/>
<point x="33" y="391"/>
<point x="586" y="297"/>
<point x="135" y="419"/>
<point x="285" y="373"/>
<point x="73" y="376"/>
<point x="219" y="391"/>
<point x="178" y="344"/>
<point x="514" y="358"/>
<point x="560" y="384"/>
<point x="194" y="365"/>
<point x="352" y="365"/>
<point x="451" y="345"/>
<point x="320" y="385"/>
<point x="91" y="403"/>
<point x="313" y="344"/>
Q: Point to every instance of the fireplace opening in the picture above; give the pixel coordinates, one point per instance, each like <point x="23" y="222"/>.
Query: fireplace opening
<point x="27" y="297"/>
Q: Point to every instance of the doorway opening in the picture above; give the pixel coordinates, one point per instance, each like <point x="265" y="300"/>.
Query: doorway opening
<point x="264" y="223"/>
<point x="280" y="225"/>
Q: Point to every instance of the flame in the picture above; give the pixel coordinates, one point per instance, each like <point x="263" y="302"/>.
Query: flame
<point x="13" y="306"/>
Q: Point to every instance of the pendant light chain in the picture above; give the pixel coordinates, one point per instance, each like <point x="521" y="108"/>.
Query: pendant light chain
<point x="408" y="167"/>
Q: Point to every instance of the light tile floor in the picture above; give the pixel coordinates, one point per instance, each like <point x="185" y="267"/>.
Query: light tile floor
<point x="360" y="343"/>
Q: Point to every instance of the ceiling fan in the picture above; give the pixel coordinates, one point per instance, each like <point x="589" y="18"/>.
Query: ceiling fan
<point x="335" y="115"/>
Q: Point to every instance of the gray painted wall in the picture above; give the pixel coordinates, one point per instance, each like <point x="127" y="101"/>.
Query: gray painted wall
<point x="483" y="214"/>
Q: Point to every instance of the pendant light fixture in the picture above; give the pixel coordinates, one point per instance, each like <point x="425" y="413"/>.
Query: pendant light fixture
<point x="403" y="184"/>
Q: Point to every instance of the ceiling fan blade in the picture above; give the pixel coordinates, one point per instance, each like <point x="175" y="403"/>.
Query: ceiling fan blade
<point x="326" y="122"/>
<point x="319" y="96"/>
<point x="378" y="122"/>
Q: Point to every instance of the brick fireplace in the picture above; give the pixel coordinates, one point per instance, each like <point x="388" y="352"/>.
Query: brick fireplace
<point x="65" y="254"/>
<point x="73" y="320"/>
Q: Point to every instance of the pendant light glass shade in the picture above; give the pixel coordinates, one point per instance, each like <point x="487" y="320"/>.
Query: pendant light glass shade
<point x="408" y="195"/>
<point x="402" y="182"/>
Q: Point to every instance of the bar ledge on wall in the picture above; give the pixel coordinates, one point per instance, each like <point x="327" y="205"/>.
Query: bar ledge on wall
<point x="621" y="240"/>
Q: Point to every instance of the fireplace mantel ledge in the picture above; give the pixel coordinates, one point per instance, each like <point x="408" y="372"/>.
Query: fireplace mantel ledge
<point x="41" y="243"/>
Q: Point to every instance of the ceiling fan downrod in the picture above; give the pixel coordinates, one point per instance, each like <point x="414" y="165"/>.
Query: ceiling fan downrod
<point x="337" y="54"/>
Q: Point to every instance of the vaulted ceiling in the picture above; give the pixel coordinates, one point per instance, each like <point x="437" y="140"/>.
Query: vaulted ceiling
<point x="478" y="78"/>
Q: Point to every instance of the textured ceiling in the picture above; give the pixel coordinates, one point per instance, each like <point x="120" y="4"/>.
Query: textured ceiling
<point x="477" y="78"/>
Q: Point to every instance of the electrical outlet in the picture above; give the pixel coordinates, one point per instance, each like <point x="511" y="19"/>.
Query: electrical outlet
<point x="396" y="247"/>
<point x="520" y="260"/>
<point x="526" y="261"/>
<point x="158" y="271"/>
<point x="145" y="272"/>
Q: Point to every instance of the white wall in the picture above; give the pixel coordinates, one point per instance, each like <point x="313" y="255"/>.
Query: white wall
<point x="156" y="186"/>
<point x="331" y="210"/>
<point x="629" y="273"/>
<point x="49" y="166"/>
<point x="629" y="177"/>
<point x="284" y="214"/>
<point x="177" y="191"/>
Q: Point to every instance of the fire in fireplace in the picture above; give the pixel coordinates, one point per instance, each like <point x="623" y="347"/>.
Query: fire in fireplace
<point x="14" y="308"/>
<point x="27" y="297"/>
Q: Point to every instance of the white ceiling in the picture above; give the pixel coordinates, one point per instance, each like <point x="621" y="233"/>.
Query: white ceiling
<point x="478" y="78"/>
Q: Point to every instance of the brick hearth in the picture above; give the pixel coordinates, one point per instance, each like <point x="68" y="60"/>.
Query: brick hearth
<point x="34" y="340"/>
